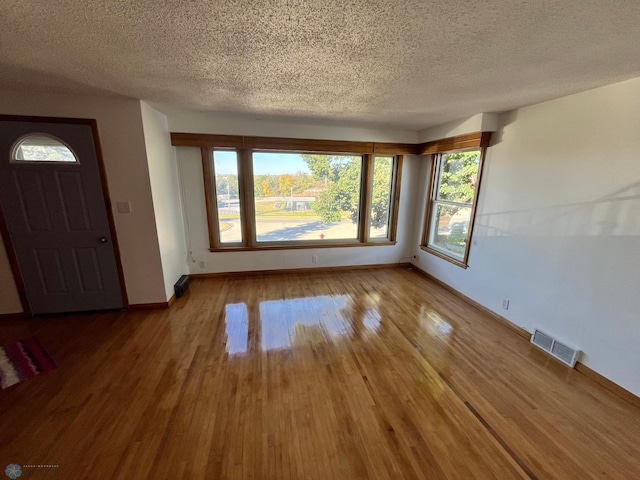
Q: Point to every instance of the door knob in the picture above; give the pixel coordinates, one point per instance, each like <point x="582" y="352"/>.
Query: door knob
<point x="102" y="239"/>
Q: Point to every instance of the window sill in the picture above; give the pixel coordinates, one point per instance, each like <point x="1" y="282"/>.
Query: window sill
<point x="444" y="256"/>
<point x="296" y="247"/>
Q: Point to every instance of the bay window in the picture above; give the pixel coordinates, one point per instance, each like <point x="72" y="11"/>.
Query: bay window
<point x="299" y="197"/>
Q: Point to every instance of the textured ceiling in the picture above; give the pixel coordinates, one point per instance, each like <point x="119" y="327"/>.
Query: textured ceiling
<point x="407" y="64"/>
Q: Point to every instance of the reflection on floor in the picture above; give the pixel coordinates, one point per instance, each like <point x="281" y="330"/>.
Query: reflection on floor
<point x="284" y="323"/>
<point x="362" y="374"/>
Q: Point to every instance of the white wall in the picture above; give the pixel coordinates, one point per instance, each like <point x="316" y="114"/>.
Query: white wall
<point x="481" y="122"/>
<point x="194" y="122"/>
<point x="123" y="148"/>
<point x="558" y="226"/>
<point x="189" y="163"/>
<point x="167" y="202"/>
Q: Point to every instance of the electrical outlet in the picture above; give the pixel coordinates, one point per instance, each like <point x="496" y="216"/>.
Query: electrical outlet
<point x="505" y="303"/>
<point x="314" y="258"/>
<point x="202" y="264"/>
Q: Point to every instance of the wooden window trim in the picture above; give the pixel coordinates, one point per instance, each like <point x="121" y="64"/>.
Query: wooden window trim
<point x="245" y="197"/>
<point x="211" y="201"/>
<point x="486" y="136"/>
<point x="246" y="145"/>
<point x="460" y="142"/>
<point x="212" y="208"/>
<point x="444" y="256"/>
<point x="366" y="180"/>
<point x="394" y="198"/>
<point x="471" y="140"/>
<point x="296" y="246"/>
<point x="205" y="140"/>
<point x="397" y="182"/>
<point x="179" y="139"/>
<point x="295" y="145"/>
<point x="247" y="207"/>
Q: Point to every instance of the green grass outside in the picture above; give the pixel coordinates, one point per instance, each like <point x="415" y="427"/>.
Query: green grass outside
<point x="268" y="209"/>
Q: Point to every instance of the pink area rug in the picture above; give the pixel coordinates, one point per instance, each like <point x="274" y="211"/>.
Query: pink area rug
<point x="23" y="360"/>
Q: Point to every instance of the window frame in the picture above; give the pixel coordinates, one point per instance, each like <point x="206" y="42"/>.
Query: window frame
<point x="13" y="158"/>
<point x="432" y="201"/>
<point x="211" y="200"/>
<point x="245" y="150"/>
<point x="394" y="198"/>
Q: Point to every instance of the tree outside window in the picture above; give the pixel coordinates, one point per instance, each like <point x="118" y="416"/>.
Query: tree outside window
<point x="450" y="208"/>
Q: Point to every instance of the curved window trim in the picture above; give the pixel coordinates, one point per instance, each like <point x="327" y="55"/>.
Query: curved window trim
<point x="18" y="143"/>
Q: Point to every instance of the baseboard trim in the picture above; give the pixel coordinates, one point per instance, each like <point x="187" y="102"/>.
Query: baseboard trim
<point x="153" y="306"/>
<point x="580" y="367"/>
<point x="608" y="384"/>
<point x="499" y="318"/>
<point x="14" y="316"/>
<point x="148" y="306"/>
<point x="171" y="300"/>
<point x="287" y="271"/>
<point x="135" y="306"/>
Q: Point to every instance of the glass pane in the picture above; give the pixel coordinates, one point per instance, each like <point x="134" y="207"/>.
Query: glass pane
<point x="458" y="176"/>
<point x="42" y="148"/>
<point x="225" y="166"/>
<point x="448" y="229"/>
<point x="311" y="197"/>
<point x="381" y="197"/>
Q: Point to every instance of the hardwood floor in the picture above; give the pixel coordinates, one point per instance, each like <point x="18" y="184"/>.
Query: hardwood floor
<point x="371" y="374"/>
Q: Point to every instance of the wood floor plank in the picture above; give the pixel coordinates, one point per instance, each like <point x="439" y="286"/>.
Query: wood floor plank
<point x="364" y="374"/>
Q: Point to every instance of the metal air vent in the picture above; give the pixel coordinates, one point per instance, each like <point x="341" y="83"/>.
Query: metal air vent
<point x="560" y="350"/>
